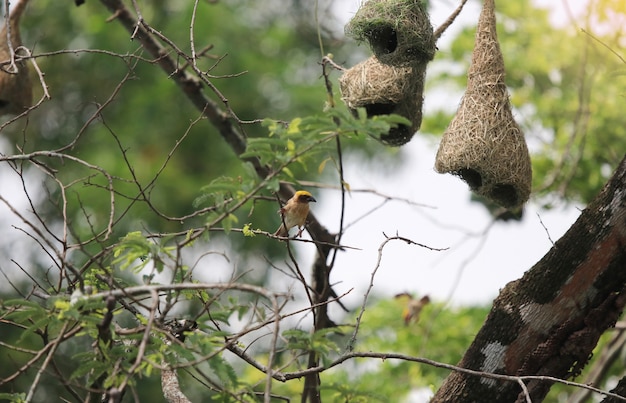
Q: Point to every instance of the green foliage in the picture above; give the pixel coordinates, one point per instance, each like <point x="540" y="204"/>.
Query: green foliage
<point x="91" y="366"/>
<point x="442" y="334"/>
<point x="305" y="139"/>
<point x="292" y="150"/>
<point x="135" y="251"/>
<point x="382" y="330"/>
<point x="319" y="342"/>
<point x="13" y="397"/>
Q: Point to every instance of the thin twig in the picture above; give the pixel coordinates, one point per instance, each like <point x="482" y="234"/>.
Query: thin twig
<point x="403" y="357"/>
<point x="442" y="28"/>
<point x="194" y="57"/>
<point x="143" y="344"/>
<point x="610" y="49"/>
<point x="545" y="229"/>
<point x="352" y="341"/>
<point x="272" y="351"/>
<point x="52" y="350"/>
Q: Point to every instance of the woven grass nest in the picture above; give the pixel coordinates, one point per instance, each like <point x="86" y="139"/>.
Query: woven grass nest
<point x="398" y="31"/>
<point x="483" y="144"/>
<point x="383" y="89"/>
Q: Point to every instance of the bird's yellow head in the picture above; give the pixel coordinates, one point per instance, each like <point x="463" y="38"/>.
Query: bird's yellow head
<point x="303" y="196"/>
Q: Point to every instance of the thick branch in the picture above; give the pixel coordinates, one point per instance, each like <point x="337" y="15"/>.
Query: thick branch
<point x="192" y="87"/>
<point x="548" y="322"/>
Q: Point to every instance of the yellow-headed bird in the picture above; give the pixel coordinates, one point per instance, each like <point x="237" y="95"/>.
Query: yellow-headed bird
<point x="294" y="213"/>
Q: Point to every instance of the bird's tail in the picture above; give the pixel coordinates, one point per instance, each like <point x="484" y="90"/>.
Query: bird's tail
<point x="281" y="231"/>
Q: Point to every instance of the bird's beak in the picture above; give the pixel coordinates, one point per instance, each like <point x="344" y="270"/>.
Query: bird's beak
<point x="312" y="199"/>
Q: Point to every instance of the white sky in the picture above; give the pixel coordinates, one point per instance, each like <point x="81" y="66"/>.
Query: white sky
<point x="508" y="250"/>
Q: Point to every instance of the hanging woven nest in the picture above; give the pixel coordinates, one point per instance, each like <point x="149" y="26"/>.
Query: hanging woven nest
<point x="398" y="31"/>
<point x="16" y="88"/>
<point x="483" y="144"/>
<point x="382" y="90"/>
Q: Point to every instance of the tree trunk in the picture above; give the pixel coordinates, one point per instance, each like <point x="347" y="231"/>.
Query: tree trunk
<point x="548" y="322"/>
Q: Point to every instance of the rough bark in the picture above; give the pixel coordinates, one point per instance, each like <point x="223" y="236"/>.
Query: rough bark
<point x="549" y="321"/>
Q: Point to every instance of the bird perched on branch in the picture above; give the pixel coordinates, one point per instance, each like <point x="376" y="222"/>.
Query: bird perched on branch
<point x="294" y="213"/>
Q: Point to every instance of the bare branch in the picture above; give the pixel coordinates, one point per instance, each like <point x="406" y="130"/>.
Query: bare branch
<point x="442" y="28"/>
<point x="352" y="341"/>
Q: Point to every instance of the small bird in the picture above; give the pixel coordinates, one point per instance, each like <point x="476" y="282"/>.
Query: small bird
<point x="413" y="307"/>
<point x="294" y="213"/>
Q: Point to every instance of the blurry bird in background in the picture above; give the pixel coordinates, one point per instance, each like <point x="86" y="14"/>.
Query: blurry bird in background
<point x="413" y="307"/>
<point x="16" y="88"/>
<point x="294" y="213"/>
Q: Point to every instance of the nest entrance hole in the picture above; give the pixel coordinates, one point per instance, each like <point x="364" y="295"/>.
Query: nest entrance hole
<point x="397" y="135"/>
<point x="379" y="109"/>
<point x="384" y="40"/>
<point x="472" y="177"/>
<point x="505" y="194"/>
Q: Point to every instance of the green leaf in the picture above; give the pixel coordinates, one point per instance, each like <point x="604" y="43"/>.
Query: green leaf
<point x="224" y="185"/>
<point x="393" y="119"/>
<point x="132" y="248"/>
<point x="294" y="126"/>
<point x="90" y="366"/>
<point x="288" y="172"/>
<point x="21" y="303"/>
<point x="322" y="165"/>
<point x="247" y="230"/>
<point x="273" y="185"/>
<point x="229" y="221"/>
<point x="25" y="311"/>
<point x="13" y="397"/>
<point x="223" y="370"/>
<point x="297" y="339"/>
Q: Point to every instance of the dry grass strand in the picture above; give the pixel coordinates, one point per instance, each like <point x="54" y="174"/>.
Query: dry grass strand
<point x="383" y="89"/>
<point x="398" y="31"/>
